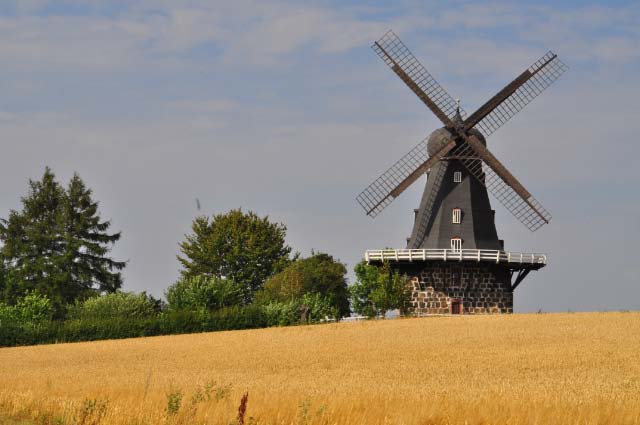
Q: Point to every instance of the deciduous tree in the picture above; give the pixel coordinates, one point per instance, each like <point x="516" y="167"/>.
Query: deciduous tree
<point x="378" y="289"/>
<point x="319" y="274"/>
<point x="239" y="246"/>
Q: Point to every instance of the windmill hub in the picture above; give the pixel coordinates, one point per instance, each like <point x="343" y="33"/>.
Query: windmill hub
<point x="442" y="136"/>
<point x="454" y="258"/>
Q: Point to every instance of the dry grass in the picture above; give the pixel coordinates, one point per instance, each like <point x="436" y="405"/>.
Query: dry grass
<point x="519" y="369"/>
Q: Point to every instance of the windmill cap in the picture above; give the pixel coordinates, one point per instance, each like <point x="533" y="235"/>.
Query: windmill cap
<point x="439" y="138"/>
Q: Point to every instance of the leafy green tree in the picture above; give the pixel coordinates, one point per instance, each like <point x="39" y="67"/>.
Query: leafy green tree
<point x="319" y="274"/>
<point x="57" y="245"/>
<point x="203" y="293"/>
<point x="378" y="289"/>
<point x="367" y="277"/>
<point x="239" y="246"/>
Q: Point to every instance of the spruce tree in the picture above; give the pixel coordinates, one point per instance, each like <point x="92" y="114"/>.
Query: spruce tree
<point x="87" y="243"/>
<point x="32" y="242"/>
<point x="57" y="245"/>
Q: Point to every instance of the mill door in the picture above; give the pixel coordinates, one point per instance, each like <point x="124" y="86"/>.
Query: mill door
<point x="456" y="307"/>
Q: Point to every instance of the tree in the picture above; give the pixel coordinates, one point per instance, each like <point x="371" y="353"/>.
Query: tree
<point x="378" y="289"/>
<point x="32" y="243"/>
<point x="57" y="245"/>
<point x="87" y="243"/>
<point x="203" y="293"/>
<point x="239" y="246"/>
<point x="319" y="274"/>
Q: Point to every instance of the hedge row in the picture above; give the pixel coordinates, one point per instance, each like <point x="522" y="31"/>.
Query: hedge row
<point x="166" y="323"/>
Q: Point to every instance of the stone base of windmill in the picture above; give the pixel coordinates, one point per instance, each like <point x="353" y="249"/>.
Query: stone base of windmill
<point x="467" y="281"/>
<point x="460" y="289"/>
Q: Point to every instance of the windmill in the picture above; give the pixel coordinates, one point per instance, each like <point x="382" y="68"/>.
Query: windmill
<point x="454" y="257"/>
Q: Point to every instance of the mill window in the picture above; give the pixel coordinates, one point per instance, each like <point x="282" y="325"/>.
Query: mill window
<point x="457" y="176"/>
<point x="457" y="214"/>
<point x="456" y="244"/>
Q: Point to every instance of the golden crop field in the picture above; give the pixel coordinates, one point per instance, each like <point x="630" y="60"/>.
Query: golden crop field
<point x="581" y="368"/>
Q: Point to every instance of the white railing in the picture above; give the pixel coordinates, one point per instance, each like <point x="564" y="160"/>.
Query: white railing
<point x="454" y="255"/>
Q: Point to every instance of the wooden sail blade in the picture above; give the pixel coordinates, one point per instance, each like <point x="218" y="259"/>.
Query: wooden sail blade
<point x="426" y="213"/>
<point x="517" y="94"/>
<point x="396" y="179"/>
<point x="400" y="59"/>
<point x="501" y="183"/>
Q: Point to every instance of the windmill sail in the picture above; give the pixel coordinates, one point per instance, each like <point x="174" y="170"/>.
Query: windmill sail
<point x="426" y="213"/>
<point x="488" y="118"/>
<point x="502" y="185"/>
<point x="516" y="95"/>
<point x="400" y="59"/>
<point x="396" y="179"/>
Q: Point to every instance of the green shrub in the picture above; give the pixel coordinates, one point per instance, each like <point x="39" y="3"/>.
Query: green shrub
<point x="203" y="293"/>
<point x="317" y="308"/>
<point x="30" y="310"/>
<point x="320" y="307"/>
<point x="96" y="327"/>
<point x="118" y="304"/>
<point x="319" y="274"/>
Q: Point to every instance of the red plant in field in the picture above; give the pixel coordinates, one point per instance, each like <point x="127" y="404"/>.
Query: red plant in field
<point x="242" y="409"/>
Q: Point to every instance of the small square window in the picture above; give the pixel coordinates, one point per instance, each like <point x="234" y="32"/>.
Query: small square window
<point x="456" y="244"/>
<point x="457" y="215"/>
<point x="457" y="176"/>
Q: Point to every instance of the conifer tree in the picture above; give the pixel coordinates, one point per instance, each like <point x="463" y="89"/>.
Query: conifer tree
<point x="57" y="245"/>
<point x="32" y="242"/>
<point x="87" y="243"/>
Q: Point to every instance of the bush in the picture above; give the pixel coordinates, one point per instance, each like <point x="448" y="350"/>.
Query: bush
<point x="32" y="310"/>
<point x="118" y="304"/>
<point x="315" y="307"/>
<point x="91" y="326"/>
<point x="203" y="293"/>
<point x="319" y="274"/>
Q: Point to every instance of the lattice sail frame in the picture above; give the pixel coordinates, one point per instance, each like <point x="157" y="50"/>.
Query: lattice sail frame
<point x="398" y="52"/>
<point x="375" y="197"/>
<point x="424" y="221"/>
<point x="542" y="78"/>
<point x="528" y="211"/>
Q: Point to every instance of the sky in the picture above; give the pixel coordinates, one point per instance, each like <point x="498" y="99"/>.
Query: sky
<point x="282" y="108"/>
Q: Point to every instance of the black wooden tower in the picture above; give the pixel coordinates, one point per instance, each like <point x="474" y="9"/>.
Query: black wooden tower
<point x="454" y="257"/>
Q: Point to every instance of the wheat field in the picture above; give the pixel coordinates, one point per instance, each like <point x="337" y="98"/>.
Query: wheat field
<point x="581" y="368"/>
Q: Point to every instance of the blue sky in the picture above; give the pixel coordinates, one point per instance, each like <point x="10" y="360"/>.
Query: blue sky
<point x="281" y="107"/>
